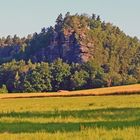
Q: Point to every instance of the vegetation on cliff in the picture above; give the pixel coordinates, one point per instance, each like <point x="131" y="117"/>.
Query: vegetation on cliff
<point x="79" y="52"/>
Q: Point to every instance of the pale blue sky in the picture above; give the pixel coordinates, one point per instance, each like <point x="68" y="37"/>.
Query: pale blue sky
<point x="23" y="17"/>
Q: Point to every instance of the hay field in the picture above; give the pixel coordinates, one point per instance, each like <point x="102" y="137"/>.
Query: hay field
<point x="73" y="118"/>
<point x="119" y="90"/>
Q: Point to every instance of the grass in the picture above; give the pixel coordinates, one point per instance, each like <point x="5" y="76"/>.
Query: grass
<point x="119" y="90"/>
<point x="78" y="118"/>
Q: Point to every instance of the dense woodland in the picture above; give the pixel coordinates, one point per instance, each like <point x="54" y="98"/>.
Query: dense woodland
<point x="79" y="52"/>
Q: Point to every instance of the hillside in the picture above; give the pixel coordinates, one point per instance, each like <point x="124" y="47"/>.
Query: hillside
<point x="79" y="52"/>
<point x="74" y="38"/>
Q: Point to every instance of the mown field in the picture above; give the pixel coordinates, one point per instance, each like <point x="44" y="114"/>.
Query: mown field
<point x="118" y="90"/>
<point x="71" y="118"/>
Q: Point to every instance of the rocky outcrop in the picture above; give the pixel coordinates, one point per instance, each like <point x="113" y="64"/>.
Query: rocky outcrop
<point x="67" y="45"/>
<point x="67" y="40"/>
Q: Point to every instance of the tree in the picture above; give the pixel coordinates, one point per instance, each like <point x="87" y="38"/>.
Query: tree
<point x="59" y="23"/>
<point x="79" y="80"/>
<point x="136" y="73"/>
<point x="43" y="30"/>
<point x="59" y="19"/>
<point x="38" y="79"/>
<point x="128" y="79"/>
<point x="93" y="17"/>
<point x="60" y="72"/>
<point x="9" y="73"/>
<point x="98" y="18"/>
<point x="3" y="89"/>
<point x="112" y="79"/>
<point x="67" y="14"/>
<point x="96" y="74"/>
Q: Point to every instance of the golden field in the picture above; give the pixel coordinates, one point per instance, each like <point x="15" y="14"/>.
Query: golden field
<point x="72" y="118"/>
<point x="118" y="90"/>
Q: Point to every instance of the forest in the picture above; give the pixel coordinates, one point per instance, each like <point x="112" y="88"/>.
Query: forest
<point x="78" y="52"/>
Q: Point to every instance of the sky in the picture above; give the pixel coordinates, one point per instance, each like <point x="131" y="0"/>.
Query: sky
<point x="23" y="17"/>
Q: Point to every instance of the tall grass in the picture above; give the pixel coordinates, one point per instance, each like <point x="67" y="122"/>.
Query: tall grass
<point x="76" y="118"/>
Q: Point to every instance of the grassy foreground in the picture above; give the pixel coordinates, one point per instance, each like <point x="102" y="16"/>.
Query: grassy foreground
<point x="76" y="118"/>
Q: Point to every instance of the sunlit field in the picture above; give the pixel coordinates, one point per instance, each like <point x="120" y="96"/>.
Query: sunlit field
<point x="118" y="90"/>
<point x="66" y="118"/>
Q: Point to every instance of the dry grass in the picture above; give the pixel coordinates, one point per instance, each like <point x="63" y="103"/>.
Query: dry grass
<point x="74" y="118"/>
<point x="119" y="90"/>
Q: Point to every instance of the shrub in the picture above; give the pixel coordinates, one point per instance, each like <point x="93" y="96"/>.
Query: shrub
<point x="3" y="89"/>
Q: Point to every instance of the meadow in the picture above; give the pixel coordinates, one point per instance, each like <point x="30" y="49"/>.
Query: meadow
<point x="71" y="118"/>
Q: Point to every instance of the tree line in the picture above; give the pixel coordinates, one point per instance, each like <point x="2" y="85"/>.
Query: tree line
<point x="24" y="76"/>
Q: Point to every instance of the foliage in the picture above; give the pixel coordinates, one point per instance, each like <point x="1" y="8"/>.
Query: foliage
<point x="3" y="89"/>
<point x="37" y="80"/>
<point x="80" y="51"/>
<point x="60" y="72"/>
<point x="79" y="79"/>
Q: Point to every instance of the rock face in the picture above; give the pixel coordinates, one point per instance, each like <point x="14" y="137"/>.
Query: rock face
<point x="68" y="40"/>
<point x="74" y="38"/>
<point x="70" y="50"/>
<point x="67" y="45"/>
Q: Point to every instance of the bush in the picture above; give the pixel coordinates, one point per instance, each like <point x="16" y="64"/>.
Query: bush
<point x="3" y="89"/>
